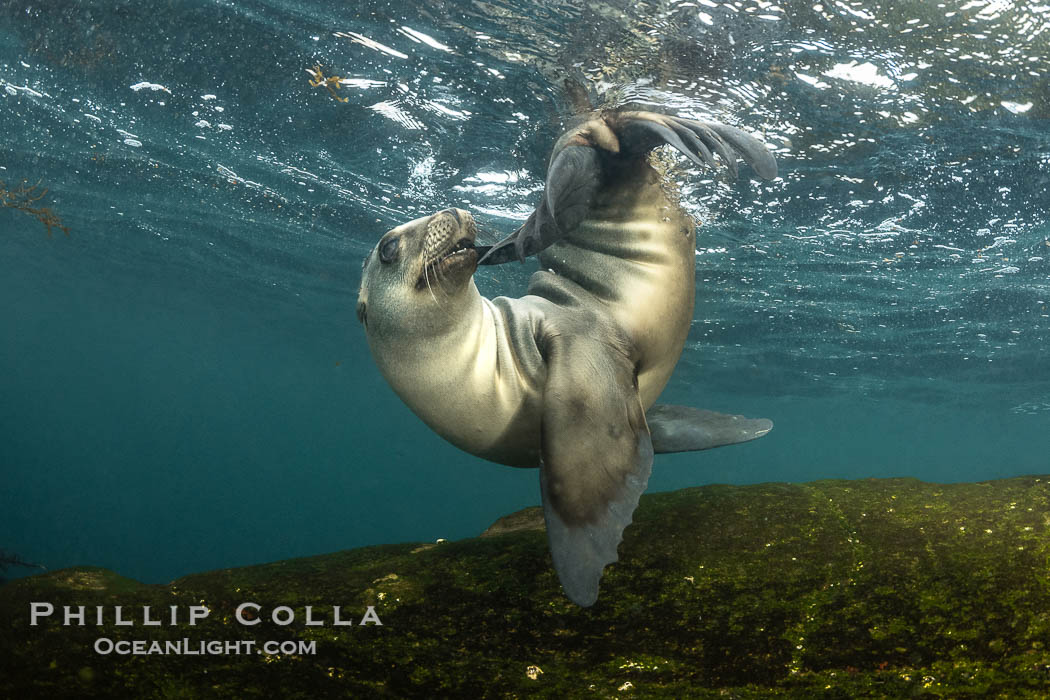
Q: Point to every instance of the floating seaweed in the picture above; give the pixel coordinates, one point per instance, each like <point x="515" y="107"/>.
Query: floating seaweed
<point x="333" y="83"/>
<point x="9" y="559"/>
<point x="25" y="198"/>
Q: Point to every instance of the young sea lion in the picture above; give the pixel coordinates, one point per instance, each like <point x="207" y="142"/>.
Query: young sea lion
<point x="563" y="378"/>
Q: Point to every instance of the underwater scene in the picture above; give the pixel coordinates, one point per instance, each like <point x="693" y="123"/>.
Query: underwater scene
<point x="192" y="193"/>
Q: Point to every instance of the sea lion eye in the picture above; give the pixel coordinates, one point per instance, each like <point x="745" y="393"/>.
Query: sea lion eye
<point x="388" y="252"/>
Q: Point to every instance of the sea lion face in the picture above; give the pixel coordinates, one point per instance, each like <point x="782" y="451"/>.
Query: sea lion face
<point x="412" y="279"/>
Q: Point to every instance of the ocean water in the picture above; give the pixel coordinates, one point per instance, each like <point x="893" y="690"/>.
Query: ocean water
<point x="183" y="382"/>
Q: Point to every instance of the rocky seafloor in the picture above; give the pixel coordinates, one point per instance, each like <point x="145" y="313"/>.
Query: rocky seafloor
<point x="832" y="589"/>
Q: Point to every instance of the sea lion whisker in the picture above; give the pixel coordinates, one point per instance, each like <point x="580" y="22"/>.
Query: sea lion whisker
<point x="426" y="277"/>
<point x="486" y="234"/>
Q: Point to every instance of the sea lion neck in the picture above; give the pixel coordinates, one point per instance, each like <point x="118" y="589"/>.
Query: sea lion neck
<point x="445" y="378"/>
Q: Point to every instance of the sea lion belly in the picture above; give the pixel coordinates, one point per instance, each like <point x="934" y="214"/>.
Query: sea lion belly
<point x="636" y="252"/>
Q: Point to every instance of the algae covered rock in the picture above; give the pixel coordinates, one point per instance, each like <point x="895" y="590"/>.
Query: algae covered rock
<point x="877" y="588"/>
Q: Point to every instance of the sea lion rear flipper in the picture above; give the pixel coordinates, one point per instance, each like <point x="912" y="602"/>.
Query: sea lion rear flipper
<point x="640" y="132"/>
<point x="573" y="179"/>
<point x="575" y="172"/>
<point x="597" y="457"/>
<point x="685" y="429"/>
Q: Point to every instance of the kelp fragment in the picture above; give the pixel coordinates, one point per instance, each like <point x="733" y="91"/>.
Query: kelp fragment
<point x="25" y="198"/>
<point x="333" y="83"/>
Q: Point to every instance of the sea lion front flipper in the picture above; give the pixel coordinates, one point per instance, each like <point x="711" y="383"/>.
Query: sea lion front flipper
<point x="686" y="429"/>
<point x="597" y="456"/>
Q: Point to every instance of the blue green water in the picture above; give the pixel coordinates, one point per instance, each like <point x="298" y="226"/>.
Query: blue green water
<point x="183" y="383"/>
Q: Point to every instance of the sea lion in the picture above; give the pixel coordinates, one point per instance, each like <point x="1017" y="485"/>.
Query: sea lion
<point x="565" y="377"/>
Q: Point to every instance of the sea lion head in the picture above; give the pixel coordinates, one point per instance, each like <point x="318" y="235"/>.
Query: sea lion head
<point x="418" y="276"/>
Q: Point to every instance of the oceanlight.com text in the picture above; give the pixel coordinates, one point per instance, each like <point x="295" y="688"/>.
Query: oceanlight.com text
<point x="188" y="647"/>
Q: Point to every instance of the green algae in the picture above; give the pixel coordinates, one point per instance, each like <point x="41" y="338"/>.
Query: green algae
<point x="833" y="589"/>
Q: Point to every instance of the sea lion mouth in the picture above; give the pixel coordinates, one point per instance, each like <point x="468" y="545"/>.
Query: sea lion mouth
<point x="444" y="251"/>
<point x="461" y="248"/>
